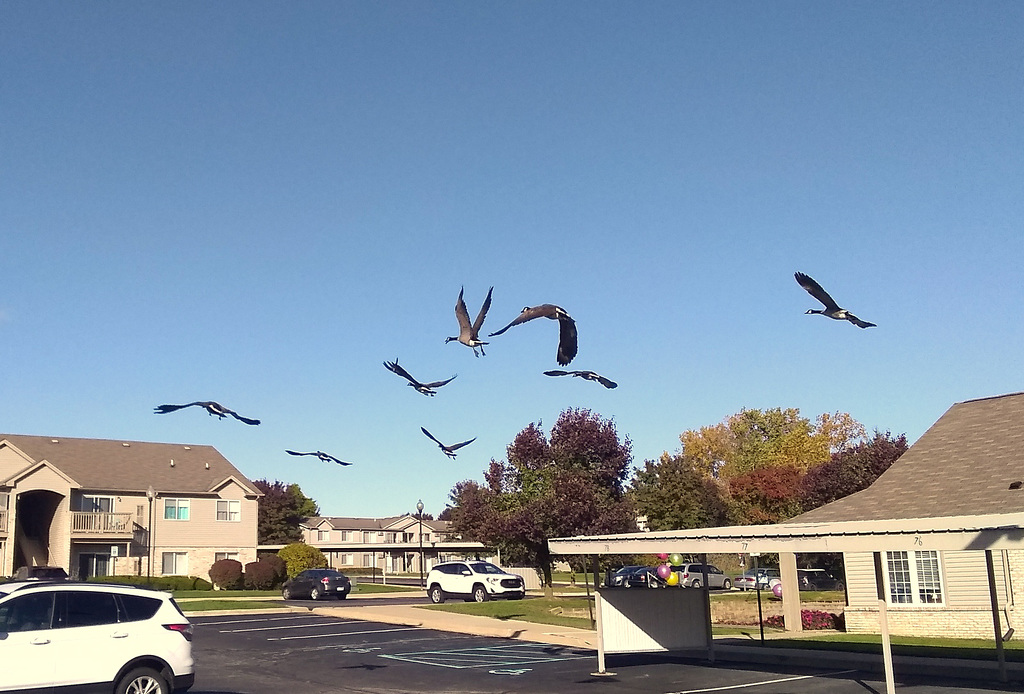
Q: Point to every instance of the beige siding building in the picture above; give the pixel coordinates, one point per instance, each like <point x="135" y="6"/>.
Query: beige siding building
<point x="104" y="507"/>
<point x="969" y="463"/>
<point x="390" y="545"/>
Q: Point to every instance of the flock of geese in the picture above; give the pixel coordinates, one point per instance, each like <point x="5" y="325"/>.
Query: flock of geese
<point x="469" y="335"/>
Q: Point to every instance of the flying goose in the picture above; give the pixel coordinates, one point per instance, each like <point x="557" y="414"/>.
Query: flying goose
<point x="425" y="388"/>
<point x="469" y="335"/>
<point x="213" y="408"/>
<point x="832" y="309"/>
<point x="321" y="455"/>
<point x="566" y="328"/>
<point x="588" y="375"/>
<point x="448" y="450"/>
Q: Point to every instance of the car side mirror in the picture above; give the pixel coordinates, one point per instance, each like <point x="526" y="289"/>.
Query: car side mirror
<point x="467" y="572"/>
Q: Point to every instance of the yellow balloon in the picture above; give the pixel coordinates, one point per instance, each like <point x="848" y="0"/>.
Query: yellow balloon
<point x="673" y="579"/>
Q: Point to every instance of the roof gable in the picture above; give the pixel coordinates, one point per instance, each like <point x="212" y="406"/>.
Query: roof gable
<point x="963" y="464"/>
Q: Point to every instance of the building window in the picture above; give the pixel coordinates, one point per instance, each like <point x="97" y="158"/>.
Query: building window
<point x="217" y="556"/>
<point x="228" y="510"/>
<point x="346" y="535"/>
<point x="367" y="536"/>
<point x="347" y="560"/>
<point x="97" y="504"/>
<point x="323" y="535"/>
<point x="367" y="560"/>
<point x="914" y="578"/>
<point x="176" y="509"/>
<point x="175" y="563"/>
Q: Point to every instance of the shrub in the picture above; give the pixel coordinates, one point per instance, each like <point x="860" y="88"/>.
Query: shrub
<point x="226" y="573"/>
<point x="811" y="619"/>
<point x="298" y="556"/>
<point x="260" y="575"/>
<point x="276" y="563"/>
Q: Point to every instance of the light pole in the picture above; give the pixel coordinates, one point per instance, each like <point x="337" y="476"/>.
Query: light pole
<point x="150" y="494"/>
<point x="419" y="513"/>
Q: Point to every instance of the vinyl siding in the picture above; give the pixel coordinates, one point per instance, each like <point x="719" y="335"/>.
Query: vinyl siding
<point x="202" y="529"/>
<point x="860" y="579"/>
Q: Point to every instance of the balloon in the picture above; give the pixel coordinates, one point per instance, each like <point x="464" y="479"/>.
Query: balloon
<point x="673" y="579"/>
<point x="675" y="559"/>
<point x="663" y="556"/>
<point x="664" y="571"/>
<point x="777" y="590"/>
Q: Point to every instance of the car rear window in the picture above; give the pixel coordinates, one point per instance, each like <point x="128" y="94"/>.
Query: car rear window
<point x="139" y="607"/>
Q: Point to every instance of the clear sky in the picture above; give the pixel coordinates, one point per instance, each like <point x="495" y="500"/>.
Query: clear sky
<point x="259" y="203"/>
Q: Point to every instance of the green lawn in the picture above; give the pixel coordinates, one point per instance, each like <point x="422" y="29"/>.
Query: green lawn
<point x="977" y="649"/>
<point x="563" y="612"/>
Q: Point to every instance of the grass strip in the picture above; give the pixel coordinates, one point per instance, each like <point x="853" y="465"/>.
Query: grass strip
<point x="562" y="612"/>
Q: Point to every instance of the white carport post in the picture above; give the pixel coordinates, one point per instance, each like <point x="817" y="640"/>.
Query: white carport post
<point x="883" y="626"/>
<point x="994" y="597"/>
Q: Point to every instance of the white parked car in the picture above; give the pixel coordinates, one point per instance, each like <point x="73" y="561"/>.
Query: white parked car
<point x="472" y="580"/>
<point x="67" y="636"/>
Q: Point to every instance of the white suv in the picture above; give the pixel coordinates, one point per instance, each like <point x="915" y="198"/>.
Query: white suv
<point x="112" y="638"/>
<point x="472" y="580"/>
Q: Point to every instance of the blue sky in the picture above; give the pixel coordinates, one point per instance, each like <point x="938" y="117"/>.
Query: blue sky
<point x="259" y="203"/>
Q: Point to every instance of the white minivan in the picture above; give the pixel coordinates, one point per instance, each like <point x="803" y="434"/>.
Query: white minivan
<point x="93" y="636"/>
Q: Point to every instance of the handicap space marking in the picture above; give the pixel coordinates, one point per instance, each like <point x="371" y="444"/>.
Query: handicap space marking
<point x="495" y="657"/>
<point x="509" y="672"/>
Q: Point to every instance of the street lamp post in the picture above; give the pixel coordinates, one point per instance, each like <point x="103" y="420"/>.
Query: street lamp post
<point x="150" y="494"/>
<point x="419" y="513"/>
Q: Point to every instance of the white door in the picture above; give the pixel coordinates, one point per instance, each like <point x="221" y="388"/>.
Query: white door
<point x="26" y="650"/>
<point x="92" y="643"/>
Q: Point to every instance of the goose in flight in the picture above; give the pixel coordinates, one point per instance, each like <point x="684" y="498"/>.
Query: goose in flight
<point x="566" y="328"/>
<point x="425" y="388"/>
<point x="321" y="455"/>
<point x="588" y="375"/>
<point x="469" y="335"/>
<point x="831" y="309"/>
<point x="214" y="408"/>
<point x="448" y="450"/>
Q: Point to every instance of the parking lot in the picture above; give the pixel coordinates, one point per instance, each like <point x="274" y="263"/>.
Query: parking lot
<point x="316" y="654"/>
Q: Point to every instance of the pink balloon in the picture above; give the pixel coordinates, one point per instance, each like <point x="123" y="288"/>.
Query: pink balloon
<point x="777" y="590"/>
<point x="663" y="556"/>
<point x="664" y="570"/>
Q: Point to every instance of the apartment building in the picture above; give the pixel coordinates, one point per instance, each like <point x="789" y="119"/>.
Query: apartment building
<point x="108" y="507"/>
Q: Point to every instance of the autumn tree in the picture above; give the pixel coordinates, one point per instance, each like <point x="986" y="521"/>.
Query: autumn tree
<point x="851" y="470"/>
<point x="754" y="439"/>
<point x="281" y="509"/>
<point x="570" y="484"/>
<point x="766" y="495"/>
<point x="673" y="495"/>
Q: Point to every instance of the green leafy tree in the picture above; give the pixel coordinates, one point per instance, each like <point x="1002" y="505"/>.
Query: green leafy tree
<point x="572" y="484"/>
<point x="299" y="556"/>
<point x="673" y="495"/>
<point x="281" y="509"/>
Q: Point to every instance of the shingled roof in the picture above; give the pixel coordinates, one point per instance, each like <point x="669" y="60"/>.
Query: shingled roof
<point x="127" y="466"/>
<point x="962" y="466"/>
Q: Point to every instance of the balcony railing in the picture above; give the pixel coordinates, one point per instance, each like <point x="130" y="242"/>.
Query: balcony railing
<point x="3" y="520"/>
<point x="90" y="523"/>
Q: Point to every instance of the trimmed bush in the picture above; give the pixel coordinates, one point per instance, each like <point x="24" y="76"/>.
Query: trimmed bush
<point x="298" y="556"/>
<point x="811" y="619"/>
<point x="260" y="575"/>
<point x="226" y="573"/>
<point x="276" y="563"/>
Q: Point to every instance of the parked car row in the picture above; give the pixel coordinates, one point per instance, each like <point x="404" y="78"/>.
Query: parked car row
<point x="692" y="576"/>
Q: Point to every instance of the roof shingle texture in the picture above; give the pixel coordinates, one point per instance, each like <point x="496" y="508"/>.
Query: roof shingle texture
<point x="963" y="465"/>
<point x="103" y="464"/>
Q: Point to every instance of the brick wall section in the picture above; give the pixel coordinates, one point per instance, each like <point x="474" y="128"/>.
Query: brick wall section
<point x="199" y="560"/>
<point x="951" y="622"/>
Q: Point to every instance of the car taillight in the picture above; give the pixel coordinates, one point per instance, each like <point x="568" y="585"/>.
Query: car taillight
<point x="325" y="580"/>
<point x="183" y="629"/>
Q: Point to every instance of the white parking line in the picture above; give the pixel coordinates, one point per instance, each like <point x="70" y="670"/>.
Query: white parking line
<point x="343" y="633"/>
<point x="249" y="621"/>
<point x="283" y="626"/>
<point x="762" y="683"/>
<point x="490" y="656"/>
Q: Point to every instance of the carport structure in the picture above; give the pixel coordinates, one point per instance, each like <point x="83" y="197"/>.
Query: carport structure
<point x="675" y="620"/>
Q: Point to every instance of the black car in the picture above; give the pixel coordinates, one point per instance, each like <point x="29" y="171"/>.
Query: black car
<point x="42" y="573"/>
<point x="634" y="577"/>
<point x="316" y="584"/>
<point x="817" y="579"/>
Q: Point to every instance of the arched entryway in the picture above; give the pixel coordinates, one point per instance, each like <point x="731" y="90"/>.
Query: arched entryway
<point x="34" y="515"/>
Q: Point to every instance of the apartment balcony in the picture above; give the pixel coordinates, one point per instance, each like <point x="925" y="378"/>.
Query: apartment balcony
<point x="90" y="524"/>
